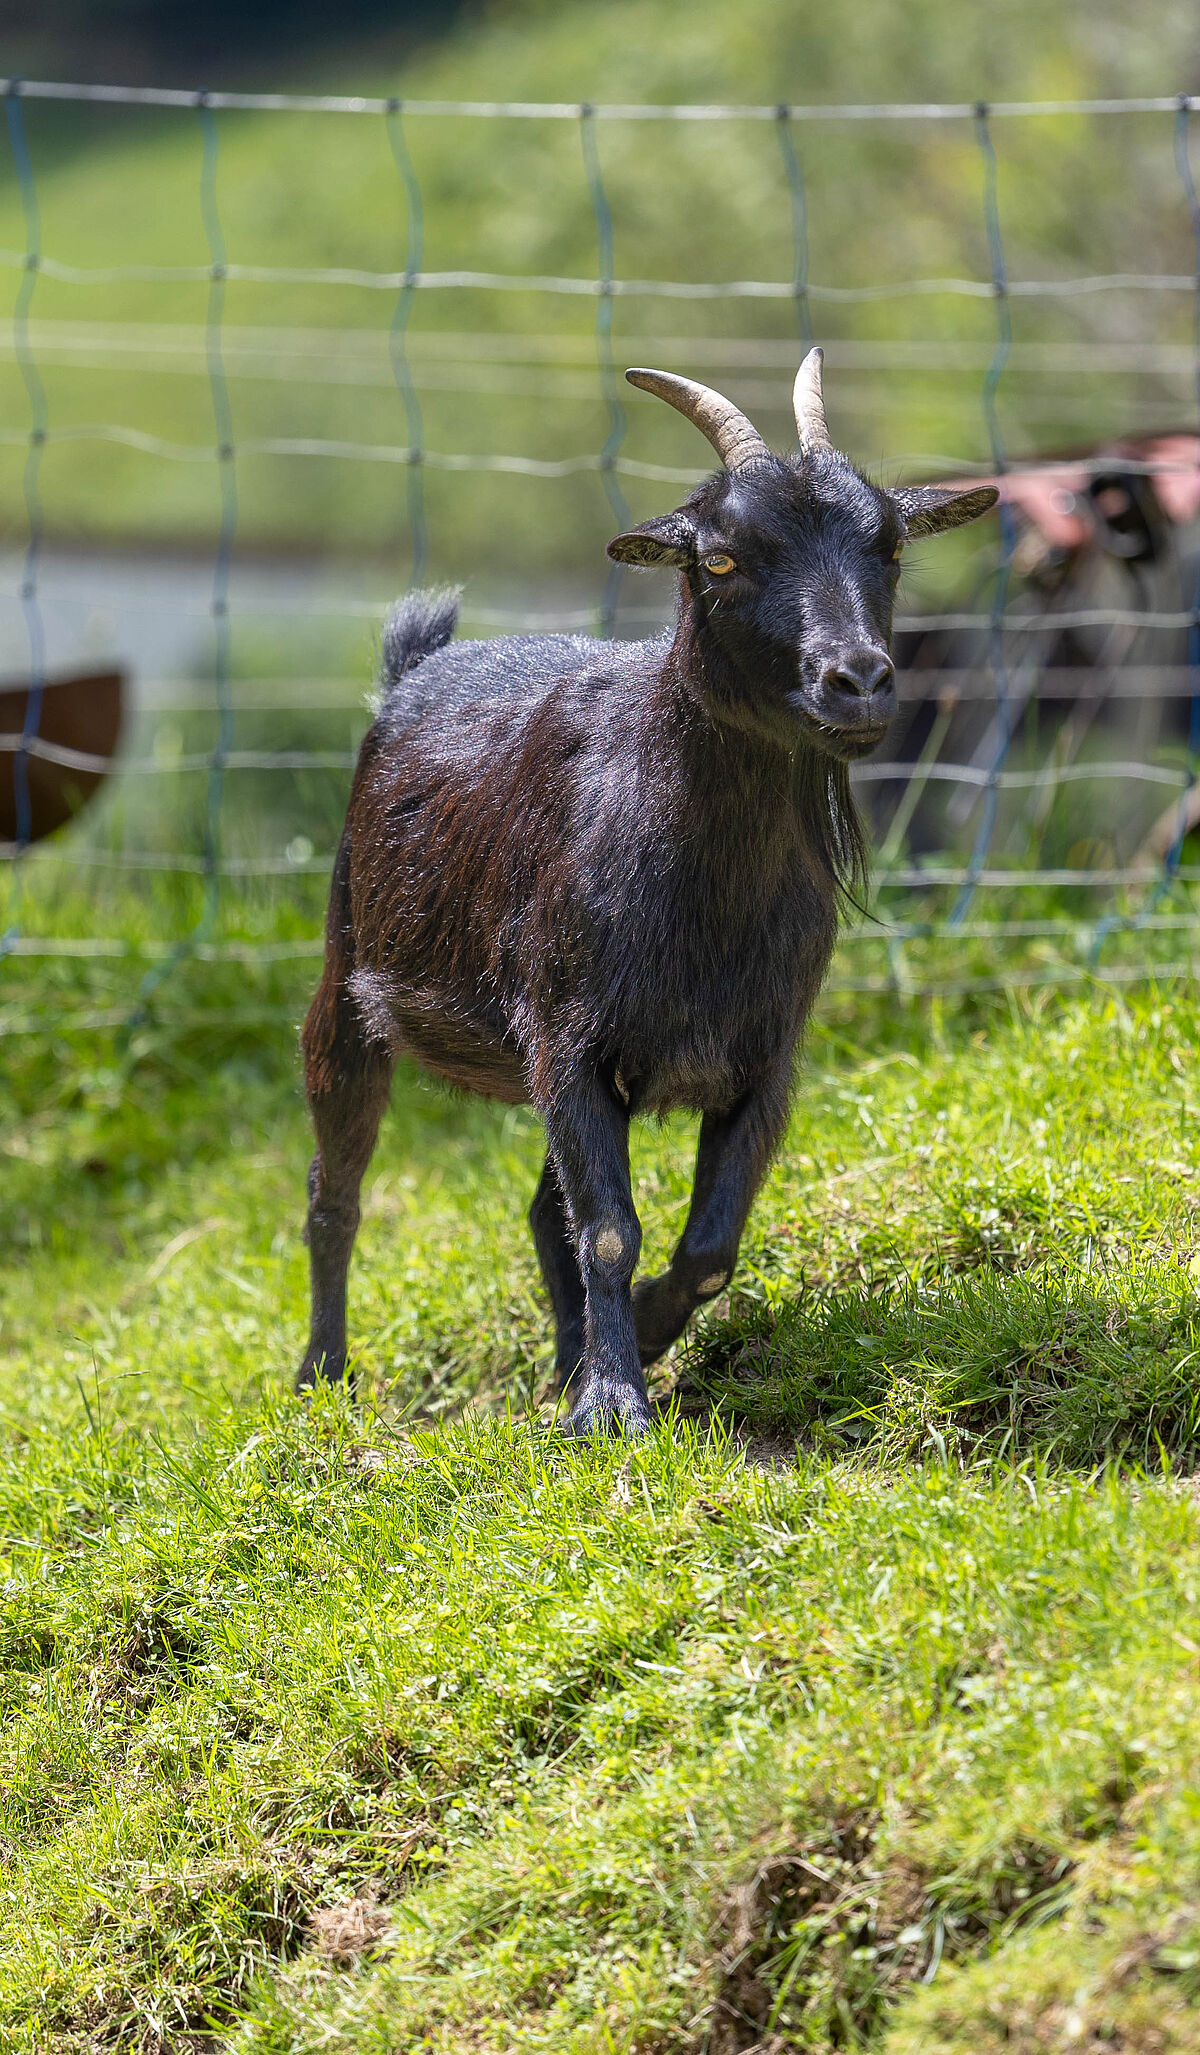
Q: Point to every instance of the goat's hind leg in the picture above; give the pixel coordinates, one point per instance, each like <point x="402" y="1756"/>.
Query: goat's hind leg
<point x="561" y="1274"/>
<point x="348" y="1078"/>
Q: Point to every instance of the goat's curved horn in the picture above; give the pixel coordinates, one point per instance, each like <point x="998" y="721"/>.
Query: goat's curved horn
<point x="811" y="425"/>
<point x="735" y="439"/>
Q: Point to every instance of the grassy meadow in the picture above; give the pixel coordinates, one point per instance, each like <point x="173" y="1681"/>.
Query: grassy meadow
<point x="857" y="1708"/>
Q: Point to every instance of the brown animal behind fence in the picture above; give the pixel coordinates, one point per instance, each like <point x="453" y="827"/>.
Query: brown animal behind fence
<point x="77" y="732"/>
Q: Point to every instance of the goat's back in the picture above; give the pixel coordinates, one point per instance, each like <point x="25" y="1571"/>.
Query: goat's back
<point x="423" y="672"/>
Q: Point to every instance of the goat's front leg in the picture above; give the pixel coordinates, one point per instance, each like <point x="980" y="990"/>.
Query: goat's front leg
<point x="734" y="1152"/>
<point x="588" y="1132"/>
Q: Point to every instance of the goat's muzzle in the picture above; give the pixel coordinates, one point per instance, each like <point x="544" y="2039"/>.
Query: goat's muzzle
<point x="858" y="674"/>
<point x="849" y="706"/>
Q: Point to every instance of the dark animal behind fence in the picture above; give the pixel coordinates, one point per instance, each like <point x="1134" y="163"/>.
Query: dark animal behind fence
<point x="604" y="877"/>
<point x="1107" y="528"/>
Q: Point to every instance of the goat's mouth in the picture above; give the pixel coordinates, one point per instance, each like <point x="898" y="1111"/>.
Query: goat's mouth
<point x="844" y="741"/>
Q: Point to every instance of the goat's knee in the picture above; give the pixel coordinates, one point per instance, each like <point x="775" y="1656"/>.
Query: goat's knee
<point x="664" y="1305"/>
<point x="709" y="1271"/>
<point x="609" y="1248"/>
<point x="702" y="1267"/>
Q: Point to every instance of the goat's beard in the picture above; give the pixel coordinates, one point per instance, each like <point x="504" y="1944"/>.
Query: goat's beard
<point x="824" y="795"/>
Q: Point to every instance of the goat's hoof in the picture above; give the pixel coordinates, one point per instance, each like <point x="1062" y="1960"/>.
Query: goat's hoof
<point x="606" y="1410"/>
<point x="315" y="1370"/>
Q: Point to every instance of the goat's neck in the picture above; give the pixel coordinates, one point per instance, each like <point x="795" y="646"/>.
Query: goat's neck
<point x="757" y="801"/>
<point x="735" y="766"/>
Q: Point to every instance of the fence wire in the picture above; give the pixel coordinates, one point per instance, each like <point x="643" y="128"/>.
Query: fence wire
<point x="1006" y="641"/>
<point x="570" y="110"/>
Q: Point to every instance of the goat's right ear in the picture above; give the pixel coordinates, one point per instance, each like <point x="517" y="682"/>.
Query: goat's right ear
<point x="931" y="509"/>
<point x="669" y="539"/>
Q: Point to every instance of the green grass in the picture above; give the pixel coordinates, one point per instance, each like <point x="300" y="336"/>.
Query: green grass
<point x="856" y="1709"/>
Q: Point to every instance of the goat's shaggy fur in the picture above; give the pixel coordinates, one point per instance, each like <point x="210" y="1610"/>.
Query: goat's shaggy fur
<point x="603" y="878"/>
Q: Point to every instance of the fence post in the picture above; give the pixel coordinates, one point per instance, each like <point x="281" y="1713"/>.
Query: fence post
<point x="35" y="626"/>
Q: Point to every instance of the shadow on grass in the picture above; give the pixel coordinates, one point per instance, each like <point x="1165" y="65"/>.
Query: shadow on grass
<point x="1085" y="1369"/>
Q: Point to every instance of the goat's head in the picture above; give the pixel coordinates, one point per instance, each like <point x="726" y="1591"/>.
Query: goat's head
<point x="791" y="564"/>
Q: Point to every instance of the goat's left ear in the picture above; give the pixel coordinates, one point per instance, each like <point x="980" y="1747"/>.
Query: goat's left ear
<point x="928" y="509"/>
<point x="669" y="539"/>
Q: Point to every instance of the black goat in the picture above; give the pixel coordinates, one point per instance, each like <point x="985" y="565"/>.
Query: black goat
<point x="603" y="878"/>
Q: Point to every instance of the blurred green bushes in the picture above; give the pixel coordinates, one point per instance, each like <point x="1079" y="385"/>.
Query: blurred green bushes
<point x="513" y="372"/>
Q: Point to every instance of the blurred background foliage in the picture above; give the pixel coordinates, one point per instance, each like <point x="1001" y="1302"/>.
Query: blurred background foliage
<point x="143" y="39"/>
<point x="864" y="207"/>
<point x="515" y="372"/>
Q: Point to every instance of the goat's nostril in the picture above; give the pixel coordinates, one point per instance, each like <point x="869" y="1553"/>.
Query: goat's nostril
<point x="861" y="671"/>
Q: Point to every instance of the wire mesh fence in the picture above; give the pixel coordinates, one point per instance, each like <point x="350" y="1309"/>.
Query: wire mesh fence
<point x="1032" y="811"/>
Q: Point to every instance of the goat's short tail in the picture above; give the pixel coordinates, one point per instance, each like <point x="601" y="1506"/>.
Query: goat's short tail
<point x="416" y="626"/>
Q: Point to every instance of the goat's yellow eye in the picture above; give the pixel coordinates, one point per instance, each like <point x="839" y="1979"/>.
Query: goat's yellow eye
<point x="720" y="564"/>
